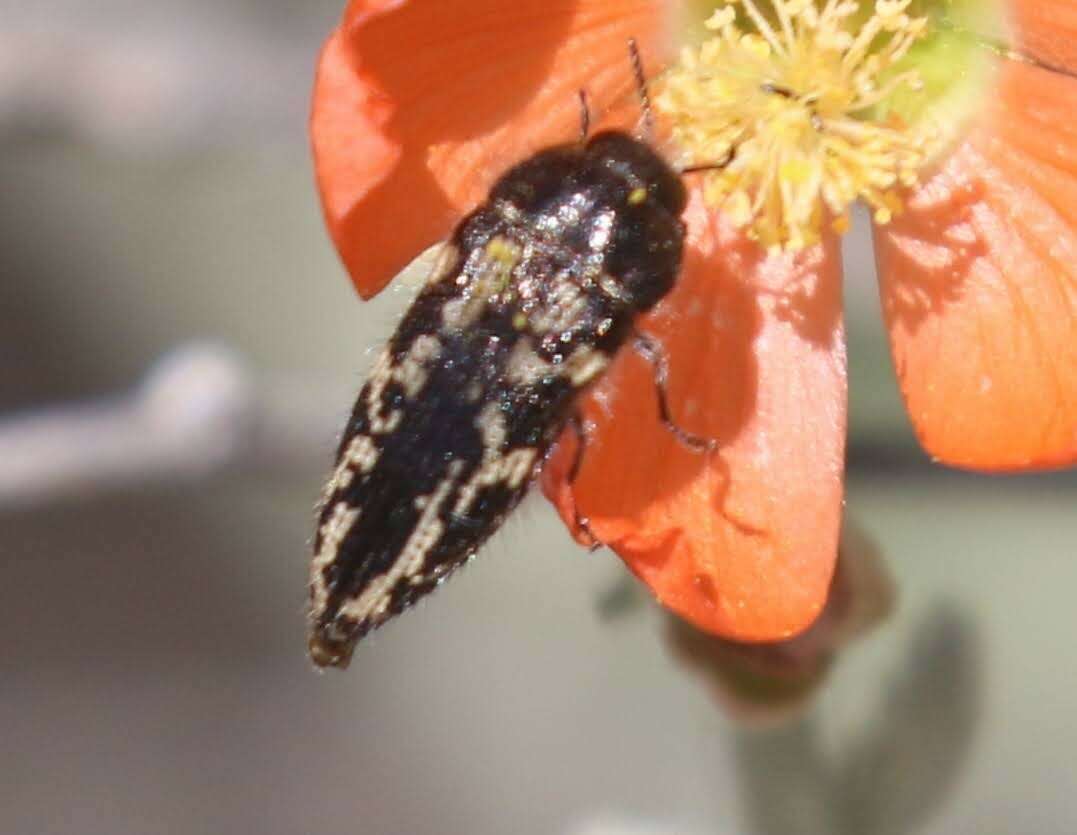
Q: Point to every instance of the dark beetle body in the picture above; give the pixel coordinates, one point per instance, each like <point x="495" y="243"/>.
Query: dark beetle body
<point x="536" y="292"/>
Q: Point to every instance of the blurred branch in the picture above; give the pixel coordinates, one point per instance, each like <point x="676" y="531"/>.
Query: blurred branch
<point x="198" y="411"/>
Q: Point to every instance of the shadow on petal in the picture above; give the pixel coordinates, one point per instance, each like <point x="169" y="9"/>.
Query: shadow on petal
<point x="1046" y="29"/>
<point x="740" y="540"/>
<point x="419" y="106"/>
<point x="979" y="285"/>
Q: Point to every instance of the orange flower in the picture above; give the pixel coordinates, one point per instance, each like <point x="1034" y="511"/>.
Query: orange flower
<point x="420" y="104"/>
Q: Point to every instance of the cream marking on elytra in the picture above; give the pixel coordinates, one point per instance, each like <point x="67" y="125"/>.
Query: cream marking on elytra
<point x="458" y="314"/>
<point x="525" y="366"/>
<point x="600" y="237"/>
<point x="380" y="376"/>
<point x="563" y="309"/>
<point x="583" y="365"/>
<point x="491" y="424"/>
<point x="333" y="533"/>
<point x="340" y="480"/>
<point x="444" y="263"/>
<point x="497" y="467"/>
<point x="361" y="453"/>
<point x="608" y="285"/>
<point x="412" y="373"/>
<point x="491" y="268"/>
<point x="375" y="599"/>
<point x="511" y="469"/>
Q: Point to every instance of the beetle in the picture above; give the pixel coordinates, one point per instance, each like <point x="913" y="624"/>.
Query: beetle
<point x="532" y="297"/>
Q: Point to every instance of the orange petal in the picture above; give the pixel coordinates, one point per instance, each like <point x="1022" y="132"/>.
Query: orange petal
<point x="740" y="541"/>
<point x="979" y="285"/>
<point x="419" y="106"/>
<point x="1046" y="29"/>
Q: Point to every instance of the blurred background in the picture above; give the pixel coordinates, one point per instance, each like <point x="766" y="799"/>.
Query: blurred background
<point x="179" y="349"/>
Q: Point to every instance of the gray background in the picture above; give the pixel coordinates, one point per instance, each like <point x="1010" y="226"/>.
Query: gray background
<point x="157" y="203"/>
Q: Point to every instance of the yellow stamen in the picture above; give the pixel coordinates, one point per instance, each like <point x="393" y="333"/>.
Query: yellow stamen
<point x="794" y="90"/>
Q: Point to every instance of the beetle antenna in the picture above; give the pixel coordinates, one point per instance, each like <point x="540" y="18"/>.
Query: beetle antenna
<point x="731" y="154"/>
<point x="641" y="87"/>
<point x="585" y="116"/>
